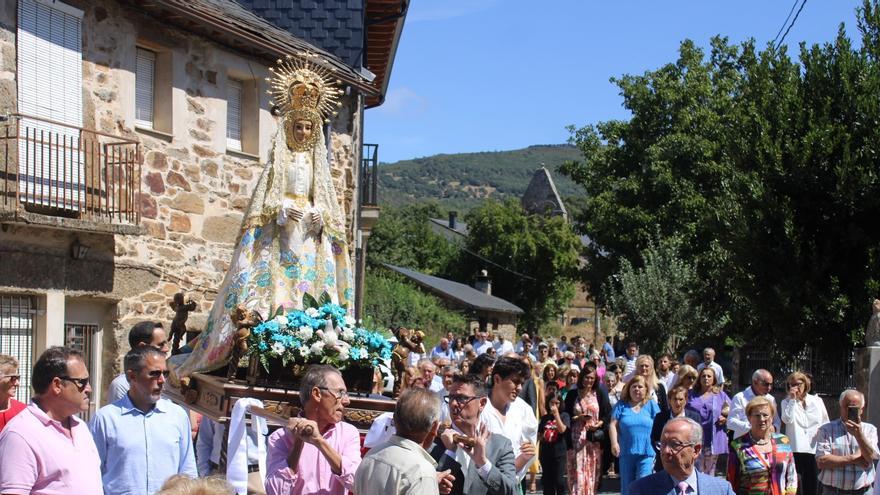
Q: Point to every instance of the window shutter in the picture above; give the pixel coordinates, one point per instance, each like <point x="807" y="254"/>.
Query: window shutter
<point x="50" y="87"/>
<point x="233" y="115"/>
<point x="145" y="71"/>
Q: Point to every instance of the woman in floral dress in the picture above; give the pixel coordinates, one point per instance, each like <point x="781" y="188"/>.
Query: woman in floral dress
<point x="588" y="409"/>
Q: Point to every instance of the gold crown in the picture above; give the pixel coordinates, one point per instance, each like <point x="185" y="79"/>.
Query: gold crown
<point x="301" y="86"/>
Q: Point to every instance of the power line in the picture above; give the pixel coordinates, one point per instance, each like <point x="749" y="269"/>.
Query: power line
<point x="468" y="251"/>
<point x="792" y="24"/>
<point x="785" y="22"/>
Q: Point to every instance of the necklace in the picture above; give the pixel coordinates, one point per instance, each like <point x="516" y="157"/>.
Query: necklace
<point x="758" y="441"/>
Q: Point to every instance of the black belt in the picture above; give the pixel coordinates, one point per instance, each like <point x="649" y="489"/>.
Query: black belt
<point x="252" y="468"/>
<point x="830" y="490"/>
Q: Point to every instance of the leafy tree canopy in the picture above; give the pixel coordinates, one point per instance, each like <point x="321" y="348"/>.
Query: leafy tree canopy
<point x="765" y="168"/>
<point x="539" y="256"/>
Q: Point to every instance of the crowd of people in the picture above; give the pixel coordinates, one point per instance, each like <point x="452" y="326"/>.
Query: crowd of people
<point x="478" y="417"/>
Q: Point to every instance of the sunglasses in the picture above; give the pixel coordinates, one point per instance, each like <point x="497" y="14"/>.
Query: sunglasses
<point x="155" y="374"/>
<point x="80" y="383"/>
<point x="459" y="399"/>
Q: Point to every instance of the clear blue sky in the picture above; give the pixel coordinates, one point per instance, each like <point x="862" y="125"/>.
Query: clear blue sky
<point x="486" y="75"/>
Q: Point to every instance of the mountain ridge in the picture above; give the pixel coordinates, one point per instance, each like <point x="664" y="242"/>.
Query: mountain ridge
<point x="462" y="180"/>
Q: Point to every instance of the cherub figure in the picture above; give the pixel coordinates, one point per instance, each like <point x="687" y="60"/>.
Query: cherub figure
<point x="243" y="319"/>
<point x="178" y="324"/>
<point x="407" y="341"/>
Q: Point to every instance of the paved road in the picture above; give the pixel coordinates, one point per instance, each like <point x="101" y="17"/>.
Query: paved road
<point x="609" y="486"/>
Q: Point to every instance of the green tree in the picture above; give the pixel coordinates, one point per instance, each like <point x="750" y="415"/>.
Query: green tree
<point x="767" y="170"/>
<point x="391" y="302"/>
<point x="404" y="238"/>
<point x="539" y="256"/>
<point x="658" y="302"/>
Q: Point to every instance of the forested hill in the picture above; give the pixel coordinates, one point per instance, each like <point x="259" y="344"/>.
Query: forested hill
<point x="461" y="181"/>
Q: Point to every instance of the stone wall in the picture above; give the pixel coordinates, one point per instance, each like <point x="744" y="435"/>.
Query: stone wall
<point x="194" y="192"/>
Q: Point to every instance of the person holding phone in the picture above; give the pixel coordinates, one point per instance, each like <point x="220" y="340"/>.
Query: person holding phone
<point x="846" y="449"/>
<point x="803" y="414"/>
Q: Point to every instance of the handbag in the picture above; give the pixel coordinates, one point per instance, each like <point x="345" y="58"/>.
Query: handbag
<point x="597" y="435"/>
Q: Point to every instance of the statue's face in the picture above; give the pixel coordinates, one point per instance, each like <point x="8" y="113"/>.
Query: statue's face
<point x="302" y="130"/>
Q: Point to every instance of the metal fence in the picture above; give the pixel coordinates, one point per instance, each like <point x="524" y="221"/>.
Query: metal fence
<point x="831" y="371"/>
<point x="58" y="169"/>
<point x="17" y="337"/>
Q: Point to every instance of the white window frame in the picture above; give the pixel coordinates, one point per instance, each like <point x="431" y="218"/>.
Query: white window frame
<point x="234" y="111"/>
<point x="145" y="88"/>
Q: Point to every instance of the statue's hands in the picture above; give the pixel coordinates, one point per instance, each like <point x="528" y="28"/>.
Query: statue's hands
<point x="293" y="213"/>
<point x="317" y="221"/>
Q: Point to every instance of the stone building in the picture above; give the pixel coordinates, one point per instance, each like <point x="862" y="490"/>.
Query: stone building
<point x="483" y="311"/>
<point x="132" y="136"/>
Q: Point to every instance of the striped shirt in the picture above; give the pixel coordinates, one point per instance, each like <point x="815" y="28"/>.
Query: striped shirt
<point x="833" y="439"/>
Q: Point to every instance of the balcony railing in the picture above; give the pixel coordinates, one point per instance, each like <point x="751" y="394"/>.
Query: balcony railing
<point x="51" y="168"/>
<point x="370" y="175"/>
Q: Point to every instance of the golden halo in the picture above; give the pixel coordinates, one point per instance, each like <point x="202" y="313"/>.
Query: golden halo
<point x="299" y="84"/>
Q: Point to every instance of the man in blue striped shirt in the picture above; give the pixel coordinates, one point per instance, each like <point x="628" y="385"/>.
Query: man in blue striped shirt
<point x="143" y="439"/>
<point x="846" y="449"/>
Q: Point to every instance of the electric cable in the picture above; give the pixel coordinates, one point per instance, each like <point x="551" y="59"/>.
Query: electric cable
<point x="792" y="24"/>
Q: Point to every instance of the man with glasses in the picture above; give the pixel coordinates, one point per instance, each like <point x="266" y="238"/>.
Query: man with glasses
<point x="145" y="333"/>
<point x="9" y="380"/>
<point x="46" y="449"/>
<point x="316" y="452"/>
<point x="737" y="422"/>
<point x="487" y="466"/>
<point x="142" y="438"/>
<point x="680" y="445"/>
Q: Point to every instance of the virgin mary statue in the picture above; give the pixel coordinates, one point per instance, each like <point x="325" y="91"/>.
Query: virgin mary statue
<point x="293" y="238"/>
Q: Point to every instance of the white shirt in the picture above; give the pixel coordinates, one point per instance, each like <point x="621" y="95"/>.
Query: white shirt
<point x="398" y="466"/>
<point x="118" y="388"/>
<point x="414" y="358"/>
<point x="802" y="424"/>
<point x="719" y="373"/>
<point x="502" y="348"/>
<point x="737" y="421"/>
<point x="436" y="384"/>
<point x="667" y="380"/>
<point x="209" y="443"/>
<point x="519" y="425"/>
<point x="482" y="347"/>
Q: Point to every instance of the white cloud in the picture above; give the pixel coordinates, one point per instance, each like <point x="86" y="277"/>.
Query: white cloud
<point x="441" y="10"/>
<point x="403" y="102"/>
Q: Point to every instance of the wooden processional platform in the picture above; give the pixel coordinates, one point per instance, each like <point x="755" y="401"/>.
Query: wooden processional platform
<point x="214" y="397"/>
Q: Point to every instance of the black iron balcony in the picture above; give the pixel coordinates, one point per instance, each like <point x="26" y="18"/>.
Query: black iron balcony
<point x="55" y="169"/>
<point x="369" y="186"/>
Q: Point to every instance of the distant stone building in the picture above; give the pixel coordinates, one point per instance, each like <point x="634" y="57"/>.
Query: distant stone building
<point x="134" y="137"/>
<point x="541" y="196"/>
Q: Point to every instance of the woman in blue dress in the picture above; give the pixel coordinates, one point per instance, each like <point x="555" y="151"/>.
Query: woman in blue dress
<point x="630" y="431"/>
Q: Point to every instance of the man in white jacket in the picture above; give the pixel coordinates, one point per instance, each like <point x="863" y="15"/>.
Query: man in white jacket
<point x="738" y="422"/>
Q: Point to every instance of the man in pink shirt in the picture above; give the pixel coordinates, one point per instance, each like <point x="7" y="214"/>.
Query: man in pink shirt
<point x="317" y="452"/>
<point x="46" y="449"/>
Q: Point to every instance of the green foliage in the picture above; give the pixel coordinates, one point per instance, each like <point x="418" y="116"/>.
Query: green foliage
<point x="403" y="237"/>
<point x="392" y="302"/>
<point x="658" y="303"/>
<point x="544" y="249"/>
<point x="766" y="169"/>
<point x="462" y="181"/>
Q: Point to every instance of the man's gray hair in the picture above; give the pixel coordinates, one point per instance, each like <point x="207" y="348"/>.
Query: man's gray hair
<point x="759" y="374"/>
<point x="709" y="349"/>
<point x="851" y="391"/>
<point x="136" y="359"/>
<point x="316" y="376"/>
<point x="416" y="412"/>
<point x="425" y="361"/>
<point x="696" y="429"/>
